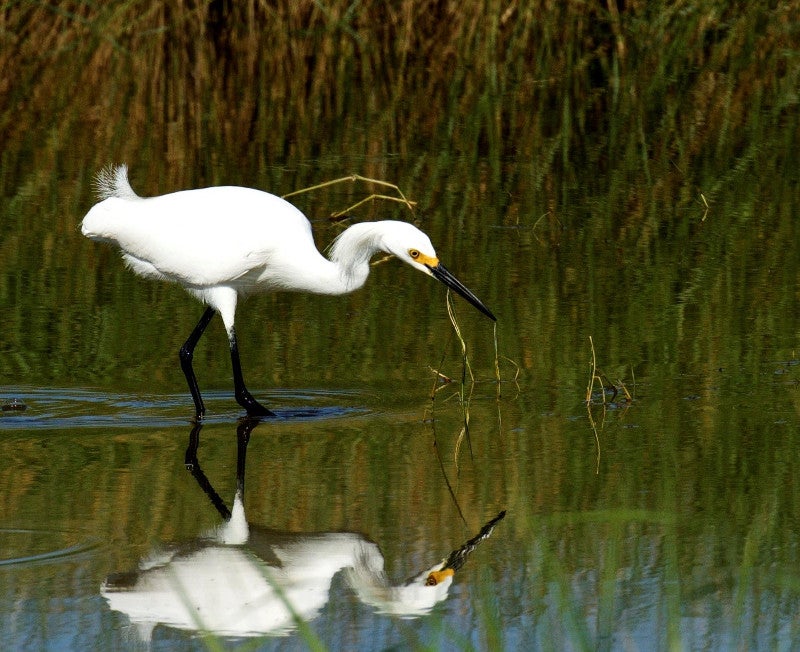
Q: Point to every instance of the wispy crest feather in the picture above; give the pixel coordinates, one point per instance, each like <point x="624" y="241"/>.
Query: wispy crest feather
<point x="112" y="181"/>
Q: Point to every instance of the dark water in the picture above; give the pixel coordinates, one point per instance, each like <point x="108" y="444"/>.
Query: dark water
<point x="663" y="514"/>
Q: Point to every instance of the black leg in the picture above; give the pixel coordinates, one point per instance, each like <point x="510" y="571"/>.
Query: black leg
<point x="186" y="353"/>
<point x="243" y="397"/>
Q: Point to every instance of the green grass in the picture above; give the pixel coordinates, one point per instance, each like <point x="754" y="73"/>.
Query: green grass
<point x="657" y="92"/>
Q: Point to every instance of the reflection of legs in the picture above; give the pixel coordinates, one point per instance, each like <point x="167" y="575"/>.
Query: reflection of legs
<point x="193" y="467"/>
<point x="243" y="397"/>
<point x="243" y="431"/>
<point x="185" y="355"/>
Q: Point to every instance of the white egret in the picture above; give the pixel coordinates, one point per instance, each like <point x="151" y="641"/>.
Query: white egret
<point x="226" y="242"/>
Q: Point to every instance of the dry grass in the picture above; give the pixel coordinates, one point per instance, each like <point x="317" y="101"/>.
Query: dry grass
<point x="261" y="82"/>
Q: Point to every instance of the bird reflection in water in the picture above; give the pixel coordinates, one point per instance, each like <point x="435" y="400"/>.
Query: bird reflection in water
<point x="244" y="580"/>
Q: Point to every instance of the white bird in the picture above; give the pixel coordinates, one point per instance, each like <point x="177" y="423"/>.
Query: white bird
<point x="226" y="242"/>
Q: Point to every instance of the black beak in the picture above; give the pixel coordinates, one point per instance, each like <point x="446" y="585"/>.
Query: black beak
<point x="440" y="273"/>
<point x="455" y="560"/>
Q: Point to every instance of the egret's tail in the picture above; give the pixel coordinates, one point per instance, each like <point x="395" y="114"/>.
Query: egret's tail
<point x="112" y="181"/>
<point x="103" y="222"/>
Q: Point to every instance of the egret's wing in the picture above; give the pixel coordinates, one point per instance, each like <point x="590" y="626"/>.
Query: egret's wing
<point x="205" y="237"/>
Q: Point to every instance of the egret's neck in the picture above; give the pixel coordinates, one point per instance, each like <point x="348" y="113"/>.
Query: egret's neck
<point x="352" y="251"/>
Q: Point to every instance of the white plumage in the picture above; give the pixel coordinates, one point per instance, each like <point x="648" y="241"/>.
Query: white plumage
<point x="224" y="242"/>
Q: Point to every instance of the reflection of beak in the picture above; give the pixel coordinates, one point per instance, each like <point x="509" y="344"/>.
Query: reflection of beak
<point x="457" y="558"/>
<point x="440" y="273"/>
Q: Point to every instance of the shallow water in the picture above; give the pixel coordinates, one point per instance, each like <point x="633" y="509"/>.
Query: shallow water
<point x="675" y="524"/>
<point x="29" y="408"/>
<point x="663" y="515"/>
<point x="117" y="493"/>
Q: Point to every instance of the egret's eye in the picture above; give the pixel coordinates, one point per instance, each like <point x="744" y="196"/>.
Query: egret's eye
<point x="413" y="253"/>
<point x="431" y="581"/>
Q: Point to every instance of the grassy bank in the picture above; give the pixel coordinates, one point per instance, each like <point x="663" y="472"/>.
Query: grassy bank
<point x="552" y="83"/>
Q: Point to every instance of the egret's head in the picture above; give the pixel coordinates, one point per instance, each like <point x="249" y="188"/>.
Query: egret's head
<point x="409" y="244"/>
<point x="412" y="246"/>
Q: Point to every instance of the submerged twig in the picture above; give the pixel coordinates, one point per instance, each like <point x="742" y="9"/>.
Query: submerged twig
<point x="589" y="390"/>
<point x="444" y="474"/>
<point x="596" y="434"/>
<point x="590" y="386"/>
<point x="705" y="214"/>
<point x="442" y="378"/>
<point x="466" y="367"/>
<point x="438" y="373"/>
<point x="465" y="360"/>
<point x="496" y="360"/>
<point x="597" y="375"/>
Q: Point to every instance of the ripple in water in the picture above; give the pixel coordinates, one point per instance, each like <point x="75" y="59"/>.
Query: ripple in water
<point x="76" y="408"/>
<point x="25" y="547"/>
